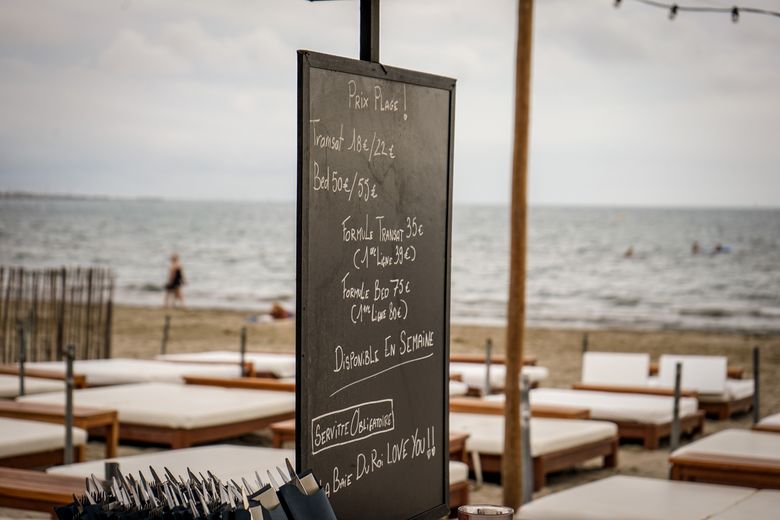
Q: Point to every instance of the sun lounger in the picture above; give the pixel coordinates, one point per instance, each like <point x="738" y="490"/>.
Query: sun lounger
<point x="9" y="386"/>
<point x="480" y="358"/>
<point x="637" y="498"/>
<point x="473" y="374"/>
<point x="704" y="377"/>
<point x="120" y="371"/>
<point x="266" y="364"/>
<point x="644" y="417"/>
<point x="556" y="444"/>
<point x="226" y="462"/>
<point x="718" y="395"/>
<point x="182" y="415"/>
<point x="36" y="490"/>
<point x="733" y="457"/>
<point x="770" y="423"/>
<point x="30" y="444"/>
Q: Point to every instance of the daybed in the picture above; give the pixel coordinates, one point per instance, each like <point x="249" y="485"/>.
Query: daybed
<point x="556" y="444"/>
<point x="637" y="498"/>
<point x="265" y="364"/>
<point x="183" y="415"/>
<point x="473" y="374"/>
<point x="733" y="457"/>
<point x="9" y="386"/>
<point x="31" y="444"/>
<point x="638" y="416"/>
<point x="119" y="371"/>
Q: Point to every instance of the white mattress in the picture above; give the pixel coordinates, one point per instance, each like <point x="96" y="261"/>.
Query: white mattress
<point x="486" y="433"/>
<point x="281" y="365"/>
<point x="635" y="498"/>
<point x="223" y="460"/>
<point x="704" y="374"/>
<point x="771" y="419"/>
<point x="458" y="388"/>
<point x="120" y="371"/>
<point x="473" y="374"/>
<point x="9" y="386"/>
<point x="737" y="443"/>
<point x="610" y="406"/>
<point x="18" y="437"/>
<point x="763" y="505"/>
<point x="178" y="406"/>
<point x="735" y="390"/>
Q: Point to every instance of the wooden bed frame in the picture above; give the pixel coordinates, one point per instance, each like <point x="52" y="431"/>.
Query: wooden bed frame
<point x="560" y="460"/>
<point x="480" y="359"/>
<point x="79" y="380"/>
<point x="720" y="410"/>
<point x="725" y="409"/>
<point x="184" y="438"/>
<point x="42" y="458"/>
<point x="37" y="491"/>
<point x="459" y="496"/>
<point x="726" y="469"/>
<point x="481" y="406"/>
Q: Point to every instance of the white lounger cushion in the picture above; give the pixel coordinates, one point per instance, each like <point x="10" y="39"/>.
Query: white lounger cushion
<point x="19" y="437"/>
<point x="704" y="374"/>
<point x="458" y="388"/>
<point x="737" y="443"/>
<point x="615" y="368"/>
<point x="610" y="406"/>
<point x="486" y="433"/>
<point x="763" y="505"/>
<point x="735" y="390"/>
<point x="635" y="498"/>
<point x="223" y="460"/>
<point x="119" y="371"/>
<point x="281" y="365"/>
<point x="473" y="374"/>
<point x="771" y="419"/>
<point x="9" y="386"/>
<point x="178" y="406"/>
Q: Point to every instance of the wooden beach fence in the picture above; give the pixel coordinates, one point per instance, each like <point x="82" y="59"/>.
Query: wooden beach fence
<point x="55" y="307"/>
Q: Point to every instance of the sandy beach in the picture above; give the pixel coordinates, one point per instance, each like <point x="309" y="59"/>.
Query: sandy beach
<point x="137" y="333"/>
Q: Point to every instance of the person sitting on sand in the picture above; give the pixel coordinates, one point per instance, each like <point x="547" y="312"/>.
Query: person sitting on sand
<point x="629" y="252"/>
<point x="695" y="247"/>
<point x="175" y="282"/>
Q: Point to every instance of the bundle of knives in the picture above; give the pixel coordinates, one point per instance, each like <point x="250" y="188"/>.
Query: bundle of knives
<point x="199" y="497"/>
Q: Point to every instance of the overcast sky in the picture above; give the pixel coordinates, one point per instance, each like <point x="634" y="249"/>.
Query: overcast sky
<point x="197" y="99"/>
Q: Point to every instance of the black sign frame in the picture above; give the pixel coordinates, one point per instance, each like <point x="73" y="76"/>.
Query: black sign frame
<point x="308" y="60"/>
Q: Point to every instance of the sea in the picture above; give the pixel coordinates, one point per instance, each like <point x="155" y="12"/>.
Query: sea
<point x="241" y="255"/>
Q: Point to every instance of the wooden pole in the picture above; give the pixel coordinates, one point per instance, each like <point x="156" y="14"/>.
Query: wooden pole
<point x="511" y="461"/>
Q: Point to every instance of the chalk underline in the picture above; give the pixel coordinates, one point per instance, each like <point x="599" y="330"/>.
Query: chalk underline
<point x="380" y="372"/>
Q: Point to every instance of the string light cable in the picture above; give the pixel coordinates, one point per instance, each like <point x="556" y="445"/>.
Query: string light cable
<point x="735" y="11"/>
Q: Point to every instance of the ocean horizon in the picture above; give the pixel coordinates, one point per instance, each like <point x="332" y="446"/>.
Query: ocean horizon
<point x="241" y="255"/>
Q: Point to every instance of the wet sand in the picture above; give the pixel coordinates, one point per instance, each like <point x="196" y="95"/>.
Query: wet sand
<point x="137" y="333"/>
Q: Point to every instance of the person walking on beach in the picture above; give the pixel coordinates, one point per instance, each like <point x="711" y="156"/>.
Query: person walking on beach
<point x="175" y="282"/>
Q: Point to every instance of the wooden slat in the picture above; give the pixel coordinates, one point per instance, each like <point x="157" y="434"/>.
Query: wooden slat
<point x="252" y="383"/>
<point x="481" y="406"/>
<point x="645" y="390"/>
<point x="479" y="358"/>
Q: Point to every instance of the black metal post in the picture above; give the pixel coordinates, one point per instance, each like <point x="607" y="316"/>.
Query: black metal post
<point x="756" y="384"/>
<point x="242" y="366"/>
<point x="166" y="328"/>
<point x="22" y="349"/>
<point x="488" y="359"/>
<point x="111" y="470"/>
<point x="527" y="463"/>
<point x="70" y="355"/>
<point x="369" y="30"/>
<point x="674" y="436"/>
<point x="584" y="342"/>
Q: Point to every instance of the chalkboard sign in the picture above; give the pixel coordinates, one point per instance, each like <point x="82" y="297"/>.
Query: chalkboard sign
<point x="373" y="285"/>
